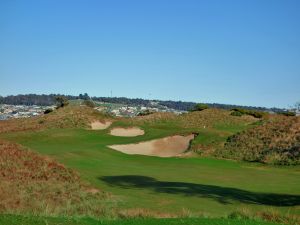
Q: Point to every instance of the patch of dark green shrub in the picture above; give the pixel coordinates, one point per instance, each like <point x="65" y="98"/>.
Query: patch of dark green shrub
<point x="236" y="113"/>
<point x="256" y="114"/>
<point x="287" y="113"/>
<point x="48" y="111"/>
<point x="200" y="107"/>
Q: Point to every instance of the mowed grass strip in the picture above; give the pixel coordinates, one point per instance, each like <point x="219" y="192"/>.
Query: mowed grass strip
<point x="29" y="220"/>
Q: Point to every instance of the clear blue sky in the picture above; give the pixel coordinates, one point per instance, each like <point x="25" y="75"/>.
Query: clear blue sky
<point x="238" y="52"/>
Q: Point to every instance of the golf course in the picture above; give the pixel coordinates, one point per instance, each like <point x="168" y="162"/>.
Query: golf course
<point x="187" y="184"/>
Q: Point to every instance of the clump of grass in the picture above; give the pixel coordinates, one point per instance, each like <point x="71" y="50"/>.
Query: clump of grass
<point x="269" y="216"/>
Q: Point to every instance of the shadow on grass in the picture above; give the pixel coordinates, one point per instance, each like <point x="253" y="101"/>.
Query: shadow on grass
<point x="223" y="195"/>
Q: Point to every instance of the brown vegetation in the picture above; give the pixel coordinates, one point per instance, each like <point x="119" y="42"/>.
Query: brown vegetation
<point x="276" y="141"/>
<point x="212" y="117"/>
<point x="31" y="183"/>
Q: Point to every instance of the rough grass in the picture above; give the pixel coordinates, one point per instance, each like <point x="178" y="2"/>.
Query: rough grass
<point x="29" y="220"/>
<point x="276" y="141"/>
<point x="34" y="184"/>
<point x="66" y="117"/>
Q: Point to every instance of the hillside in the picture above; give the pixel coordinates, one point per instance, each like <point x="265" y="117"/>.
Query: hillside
<point x="66" y="117"/>
<point x="31" y="183"/>
<point x="276" y="141"/>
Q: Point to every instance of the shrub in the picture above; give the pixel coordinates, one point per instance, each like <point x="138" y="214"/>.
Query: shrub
<point x="200" y="107"/>
<point x="256" y="114"/>
<point x="287" y="113"/>
<point x="48" y="111"/>
<point x="145" y="113"/>
<point x="61" y="101"/>
<point x="236" y="113"/>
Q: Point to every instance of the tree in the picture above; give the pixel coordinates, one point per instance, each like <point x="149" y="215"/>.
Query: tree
<point x="200" y="107"/>
<point x="61" y="101"/>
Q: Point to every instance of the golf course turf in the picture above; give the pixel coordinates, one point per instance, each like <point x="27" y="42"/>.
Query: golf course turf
<point x="169" y="185"/>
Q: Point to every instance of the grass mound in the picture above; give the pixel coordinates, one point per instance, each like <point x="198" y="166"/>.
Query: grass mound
<point x="211" y="118"/>
<point x="276" y="141"/>
<point x="66" y="117"/>
<point x="31" y="183"/>
<point x="208" y="118"/>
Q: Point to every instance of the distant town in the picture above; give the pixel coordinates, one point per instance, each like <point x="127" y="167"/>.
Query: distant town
<point x="21" y="111"/>
<point x="24" y="106"/>
<point x="118" y="110"/>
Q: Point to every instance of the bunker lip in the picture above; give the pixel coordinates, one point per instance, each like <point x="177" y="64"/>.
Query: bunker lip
<point x="164" y="147"/>
<point x="98" y="125"/>
<point x="127" y="132"/>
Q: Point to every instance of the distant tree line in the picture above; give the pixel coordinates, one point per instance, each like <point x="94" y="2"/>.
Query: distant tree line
<point x="34" y="99"/>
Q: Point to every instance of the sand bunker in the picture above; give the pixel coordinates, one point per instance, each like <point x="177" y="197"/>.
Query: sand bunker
<point x="164" y="147"/>
<point x="127" y="132"/>
<point x="97" y="125"/>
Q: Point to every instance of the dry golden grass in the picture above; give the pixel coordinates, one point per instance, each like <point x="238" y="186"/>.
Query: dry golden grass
<point x="276" y="141"/>
<point x="31" y="183"/>
<point x="211" y="117"/>
<point x="207" y="118"/>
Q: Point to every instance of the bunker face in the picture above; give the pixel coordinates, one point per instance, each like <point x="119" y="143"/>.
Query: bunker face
<point x="127" y="132"/>
<point x="97" y="125"/>
<point x="164" y="147"/>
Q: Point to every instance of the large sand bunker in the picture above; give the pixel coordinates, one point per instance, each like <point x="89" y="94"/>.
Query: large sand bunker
<point x="97" y="125"/>
<point x="127" y="132"/>
<point x="164" y="147"/>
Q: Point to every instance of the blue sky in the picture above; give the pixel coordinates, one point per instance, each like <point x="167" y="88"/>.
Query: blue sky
<point x="237" y="52"/>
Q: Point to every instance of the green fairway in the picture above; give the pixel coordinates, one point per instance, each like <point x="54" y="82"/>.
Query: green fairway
<point x="29" y="220"/>
<point x="168" y="185"/>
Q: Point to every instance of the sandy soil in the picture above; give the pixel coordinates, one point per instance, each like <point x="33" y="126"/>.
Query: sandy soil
<point x="127" y="132"/>
<point x="164" y="147"/>
<point x="97" y="125"/>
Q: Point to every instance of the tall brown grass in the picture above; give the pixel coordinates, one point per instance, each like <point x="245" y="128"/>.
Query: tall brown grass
<point x="34" y="184"/>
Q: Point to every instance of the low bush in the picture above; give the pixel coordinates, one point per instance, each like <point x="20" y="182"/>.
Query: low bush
<point x="236" y="113"/>
<point x="240" y="112"/>
<point x="200" y="107"/>
<point x="288" y="113"/>
<point x="48" y="111"/>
